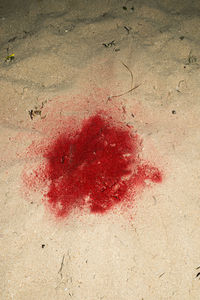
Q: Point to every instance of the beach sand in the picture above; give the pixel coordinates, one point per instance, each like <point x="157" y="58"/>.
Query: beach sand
<point x="61" y="61"/>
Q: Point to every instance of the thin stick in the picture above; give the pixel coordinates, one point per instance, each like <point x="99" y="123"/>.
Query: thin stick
<point x="131" y="89"/>
<point x="116" y="96"/>
<point x="129" y="72"/>
<point x="61" y="266"/>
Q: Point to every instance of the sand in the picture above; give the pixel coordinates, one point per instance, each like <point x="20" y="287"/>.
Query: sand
<point x="62" y="60"/>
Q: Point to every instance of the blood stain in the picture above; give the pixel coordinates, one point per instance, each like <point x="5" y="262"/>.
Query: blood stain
<point x="94" y="169"/>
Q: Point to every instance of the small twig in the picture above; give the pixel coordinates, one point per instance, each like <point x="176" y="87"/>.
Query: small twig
<point x="61" y="267"/>
<point x="116" y="96"/>
<point x="110" y="44"/>
<point x="161" y="275"/>
<point x="198" y="275"/>
<point x="129" y="72"/>
<point x="127" y="29"/>
<point x="131" y="89"/>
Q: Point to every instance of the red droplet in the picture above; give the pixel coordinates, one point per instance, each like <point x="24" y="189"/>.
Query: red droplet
<point x="94" y="168"/>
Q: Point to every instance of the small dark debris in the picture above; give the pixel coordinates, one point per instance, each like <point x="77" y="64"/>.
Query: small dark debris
<point x="125" y="8"/>
<point x="181" y="37"/>
<point x="21" y="36"/>
<point x="12" y="39"/>
<point x="127" y="29"/>
<point x="37" y="111"/>
<point x="184" y="67"/>
<point x="173" y="112"/>
<point x="132" y="115"/>
<point x="117" y="50"/>
<point x="198" y="275"/>
<point x="34" y="112"/>
<point x="109" y="45"/>
<point x="31" y="114"/>
<point x="161" y="275"/>
<point x="26" y="33"/>
<point x="43" y="245"/>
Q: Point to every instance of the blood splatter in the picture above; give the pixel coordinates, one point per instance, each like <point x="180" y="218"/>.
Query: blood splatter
<point x="93" y="168"/>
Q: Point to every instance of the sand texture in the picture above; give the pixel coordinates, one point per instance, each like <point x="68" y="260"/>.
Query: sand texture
<point x="62" y="61"/>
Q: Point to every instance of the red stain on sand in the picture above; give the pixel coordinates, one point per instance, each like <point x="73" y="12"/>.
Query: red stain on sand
<point x="95" y="168"/>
